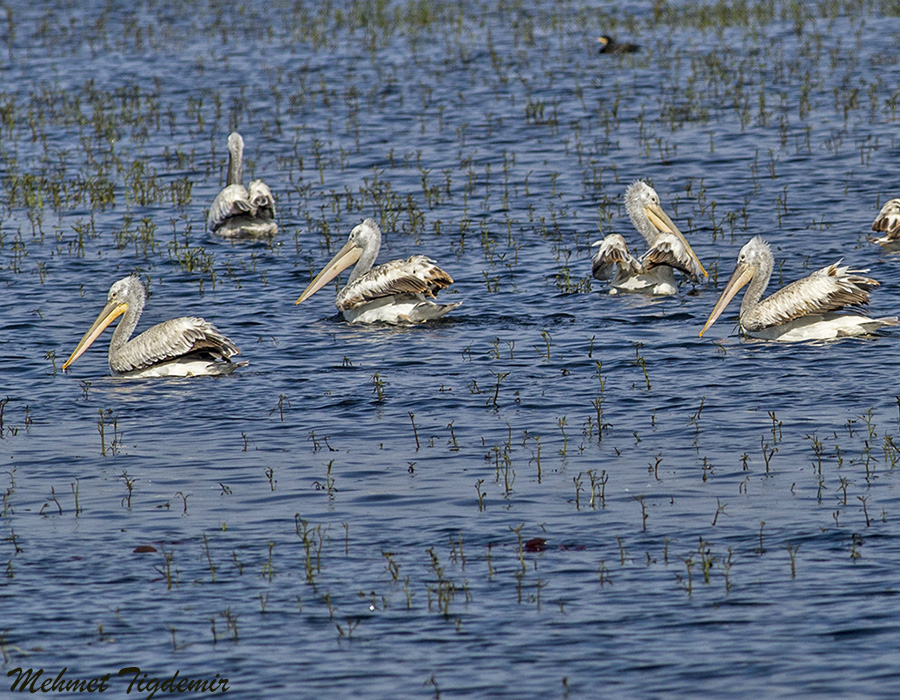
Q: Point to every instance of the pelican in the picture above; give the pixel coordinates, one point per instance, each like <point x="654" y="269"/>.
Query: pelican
<point x="609" y="45"/>
<point x="888" y="222"/>
<point x="817" y="307"/>
<point x="654" y="272"/>
<point x="394" y="292"/>
<point x="239" y="211"/>
<point x="183" y="347"/>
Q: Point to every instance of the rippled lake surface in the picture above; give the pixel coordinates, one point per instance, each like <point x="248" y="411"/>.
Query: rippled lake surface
<point x="553" y="492"/>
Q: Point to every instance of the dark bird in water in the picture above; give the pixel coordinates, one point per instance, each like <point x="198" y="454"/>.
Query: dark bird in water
<point x="609" y="45"/>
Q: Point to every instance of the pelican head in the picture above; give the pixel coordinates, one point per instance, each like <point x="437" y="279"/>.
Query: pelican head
<point x="129" y="290"/>
<point x="648" y="217"/>
<point x="756" y="255"/>
<point x="235" y="143"/>
<point x="362" y="247"/>
<point x="235" y="158"/>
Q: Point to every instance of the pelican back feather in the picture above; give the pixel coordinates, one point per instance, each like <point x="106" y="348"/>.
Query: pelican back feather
<point x="668" y="250"/>
<point x="613" y="251"/>
<point x="832" y="288"/>
<point x="888" y="220"/>
<point x="233" y="200"/>
<point x="417" y="275"/>
<point x="172" y="340"/>
<point x="261" y="199"/>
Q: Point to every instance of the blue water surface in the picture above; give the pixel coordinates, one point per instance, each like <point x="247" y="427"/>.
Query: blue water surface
<point x="552" y="492"/>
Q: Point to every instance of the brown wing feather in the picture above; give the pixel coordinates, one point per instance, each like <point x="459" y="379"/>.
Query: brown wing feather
<point x="415" y="275"/>
<point x="888" y="220"/>
<point x="830" y="289"/>
<point x="234" y="200"/>
<point x="173" y="339"/>
<point x="613" y="251"/>
<point x="261" y="199"/>
<point x="668" y="250"/>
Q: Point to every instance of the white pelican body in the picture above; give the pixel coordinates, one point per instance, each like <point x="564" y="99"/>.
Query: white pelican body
<point x="183" y="347"/>
<point x="629" y="275"/>
<point x="654" y="272"/>
<point x="239" y="211"/>
<point x="817" y="307"/>
<point x="888" y="223"/>
<point x="394" y="292"/>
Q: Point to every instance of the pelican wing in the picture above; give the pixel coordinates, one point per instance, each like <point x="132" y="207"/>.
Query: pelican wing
<point x="888" y="221"/>
<point x="613" y="251"/>
<point x="416" y="275"/>
<point x="261" y="199"/>
<point x="234" y="200"/>
<point x="172" y="340"/>
<point x="830" y="289"/>
<point x="667" y="249"/>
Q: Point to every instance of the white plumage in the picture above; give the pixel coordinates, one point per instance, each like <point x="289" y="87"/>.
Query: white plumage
<point x="181" y="347"/>
<point x="888" y="223"/>
<point x="823" y="306"/>
<point x="399" y="291"/>
<point x="668" y="250"/>
<point x="239" y="211"/>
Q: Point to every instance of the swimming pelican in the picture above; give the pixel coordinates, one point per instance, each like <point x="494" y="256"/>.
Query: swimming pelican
<point x="393" y="292"/>
<point x="654" y="272"/>
<point x="817" y="307"/>
<point x="609" y="45"/>
<point x="888" y="222"/>
<point x="183" y="347"/>
<point x="238" y="211"/>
